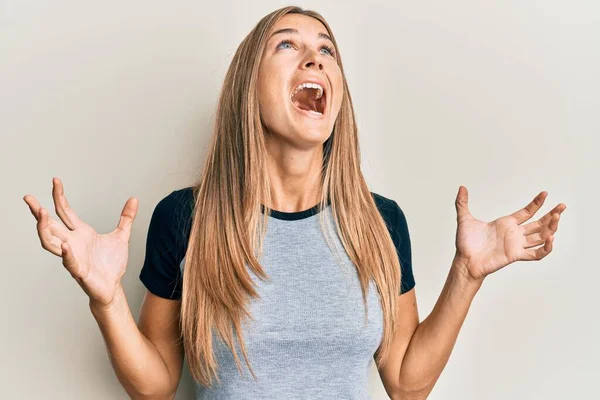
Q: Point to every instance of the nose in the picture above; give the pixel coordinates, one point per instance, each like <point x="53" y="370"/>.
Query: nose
<point x="312" y="61"/>
<point x="311" y="64"/>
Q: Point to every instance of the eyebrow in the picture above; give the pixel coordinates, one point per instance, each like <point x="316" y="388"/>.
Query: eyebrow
<point x="321" y="35"/>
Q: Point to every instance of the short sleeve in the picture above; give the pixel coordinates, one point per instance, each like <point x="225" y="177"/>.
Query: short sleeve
<point x="401" y="238"/>
<point x="166" y="245"/>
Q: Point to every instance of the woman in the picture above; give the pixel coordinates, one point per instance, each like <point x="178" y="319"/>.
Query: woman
<point x="280" y="252"/>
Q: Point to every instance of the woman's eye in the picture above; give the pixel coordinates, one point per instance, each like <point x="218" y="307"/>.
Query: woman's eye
<point x="284" y="43"/>
<point x="330" y="50"/>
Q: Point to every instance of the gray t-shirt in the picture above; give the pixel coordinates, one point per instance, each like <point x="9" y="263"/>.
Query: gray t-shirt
<point x="309" y="337"/>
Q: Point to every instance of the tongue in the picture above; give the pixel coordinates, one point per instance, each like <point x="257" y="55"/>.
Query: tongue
<point x="305" y="100"/>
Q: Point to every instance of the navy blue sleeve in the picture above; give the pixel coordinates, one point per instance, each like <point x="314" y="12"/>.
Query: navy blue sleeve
<point x="166" y="244"/>
<point x="395" y="221"/>
<point x="401" y="239"/>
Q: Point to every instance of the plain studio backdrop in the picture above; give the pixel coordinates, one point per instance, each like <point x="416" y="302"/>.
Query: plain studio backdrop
<point x="118" y="98"/>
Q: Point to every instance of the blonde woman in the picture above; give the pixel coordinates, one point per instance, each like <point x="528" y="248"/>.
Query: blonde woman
<point x="279" y="274"/>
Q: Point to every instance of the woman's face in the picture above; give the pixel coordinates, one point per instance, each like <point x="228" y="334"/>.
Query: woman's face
<point x="298" y="51"/>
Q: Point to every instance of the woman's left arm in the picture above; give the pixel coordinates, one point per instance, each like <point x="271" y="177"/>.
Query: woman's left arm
<point x="481" y="249"/>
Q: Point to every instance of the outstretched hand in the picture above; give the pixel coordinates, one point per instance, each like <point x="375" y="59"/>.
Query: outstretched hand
<point x="96" y="261"/>
<point x="486" y="247"/>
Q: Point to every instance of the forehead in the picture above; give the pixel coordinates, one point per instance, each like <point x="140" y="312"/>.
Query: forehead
<point x="303" y="23"/>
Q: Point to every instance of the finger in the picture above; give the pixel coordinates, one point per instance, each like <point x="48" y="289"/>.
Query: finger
<point x="530" y="209"/>
<point x="56" y="228"/>
<point x="462" y="203"/>
<point x="553" y="224"/>
<point x="69" y="260"/>
<point x="558" y="209"/>
<point x="539" y="253"/>
<point x="535" y="239"/>
<point x="48" y="240"/>
<point x="123" y="229"/>
<point x="33" y="204"/>
<point x="64" y="212"/>
<point x="537" y="226"/>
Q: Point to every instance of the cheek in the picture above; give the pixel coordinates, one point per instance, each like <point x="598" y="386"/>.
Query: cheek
<point x="339" y="84"/>
<point x="269" y="91"/>
<point x="270" y="105"/>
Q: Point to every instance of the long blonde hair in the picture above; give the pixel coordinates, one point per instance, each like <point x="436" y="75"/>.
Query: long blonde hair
<point x="227" y="230"/>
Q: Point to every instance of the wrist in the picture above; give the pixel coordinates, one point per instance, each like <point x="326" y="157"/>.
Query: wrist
<point x="462" y="268"/>
<point x="110" y="307"/>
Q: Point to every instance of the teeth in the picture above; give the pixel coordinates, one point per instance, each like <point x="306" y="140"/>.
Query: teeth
<point x="310" y="85"/>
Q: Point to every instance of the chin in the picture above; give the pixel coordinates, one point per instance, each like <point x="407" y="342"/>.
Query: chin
<point x="303" y="130"/>
<point x="312" y="135"/>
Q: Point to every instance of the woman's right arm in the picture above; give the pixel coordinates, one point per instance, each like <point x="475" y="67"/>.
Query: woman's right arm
<point x="147" y="358"/>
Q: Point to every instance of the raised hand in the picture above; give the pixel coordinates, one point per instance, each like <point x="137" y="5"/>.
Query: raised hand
<point x="485" y="247"/>
<point x="96" y="261"/>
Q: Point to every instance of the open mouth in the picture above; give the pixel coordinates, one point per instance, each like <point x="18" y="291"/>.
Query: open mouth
<point x="310" y="97"/>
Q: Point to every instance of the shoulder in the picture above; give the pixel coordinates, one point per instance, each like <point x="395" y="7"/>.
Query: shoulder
<point x="173" y="213"/>
<point x="178" y="203"/>
<point x="384" y="204"/>
<point x="166" y="243"/>
<point x="398" y="228"/>
<point x="390" y="211"/>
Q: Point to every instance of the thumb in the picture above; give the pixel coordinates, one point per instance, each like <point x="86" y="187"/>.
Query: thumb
<point x="462" y="203"/>
<point x="68" y="260"/>
<point x="123" y="229"/>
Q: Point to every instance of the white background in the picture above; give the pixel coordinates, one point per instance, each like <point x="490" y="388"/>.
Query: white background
<point x="117" y="99"/>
